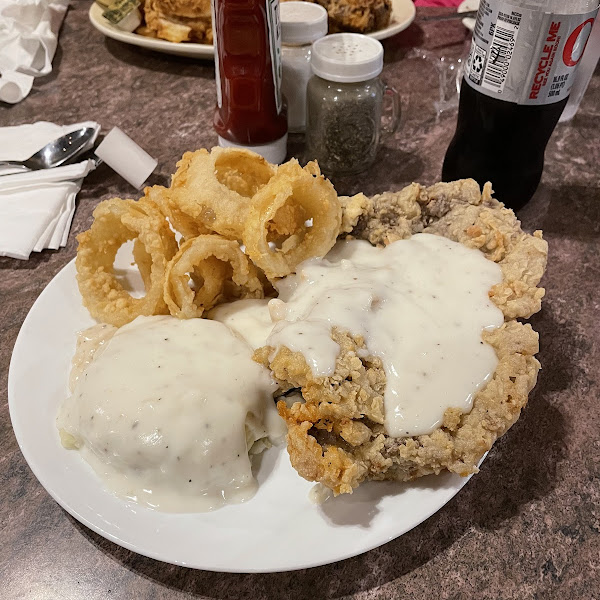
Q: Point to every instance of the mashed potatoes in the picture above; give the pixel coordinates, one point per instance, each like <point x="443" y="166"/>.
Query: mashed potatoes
<point x="167" y="411"/>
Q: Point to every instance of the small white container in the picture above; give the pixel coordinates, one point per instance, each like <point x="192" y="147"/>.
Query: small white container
<point x="302" y="23"/>
<point x="125" y="157"/>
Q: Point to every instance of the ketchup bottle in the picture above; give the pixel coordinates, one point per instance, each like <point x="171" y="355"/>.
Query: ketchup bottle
<point x="250" y="112"/>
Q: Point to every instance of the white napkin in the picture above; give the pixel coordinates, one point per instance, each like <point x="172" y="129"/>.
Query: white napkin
<point x="28" y="40"/>
<point x="37" y="207"/>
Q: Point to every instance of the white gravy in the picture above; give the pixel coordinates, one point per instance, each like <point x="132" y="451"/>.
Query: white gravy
<point x="249" y="318"/>
<point x="163" y="413"/>
<point x="90" y="343"/>
<point x="420" y="304"/>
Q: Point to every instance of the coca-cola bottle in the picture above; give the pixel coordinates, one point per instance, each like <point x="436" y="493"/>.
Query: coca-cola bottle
<point x="517" y="81"/>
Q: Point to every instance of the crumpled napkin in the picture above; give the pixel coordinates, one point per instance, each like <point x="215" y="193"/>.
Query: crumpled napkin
<point x="28" y="40"/>
<point x="37" y="207"/>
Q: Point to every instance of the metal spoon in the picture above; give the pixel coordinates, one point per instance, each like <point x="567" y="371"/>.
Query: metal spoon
<point x="55" y="153"/>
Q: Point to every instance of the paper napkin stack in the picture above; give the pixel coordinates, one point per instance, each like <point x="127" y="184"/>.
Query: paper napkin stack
<point x="37" y="207"/>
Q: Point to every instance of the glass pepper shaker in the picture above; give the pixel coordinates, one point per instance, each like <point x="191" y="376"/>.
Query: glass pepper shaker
<point x="301" y="24"/>
<point x="345" y="103"/>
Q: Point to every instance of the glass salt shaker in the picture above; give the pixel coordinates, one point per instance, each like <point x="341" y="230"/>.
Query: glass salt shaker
<point x="302" y="23"/>
<point x="345" y="103"/>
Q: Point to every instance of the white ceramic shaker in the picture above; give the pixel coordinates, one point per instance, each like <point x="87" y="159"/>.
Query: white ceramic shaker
<point x="302" y="23"/>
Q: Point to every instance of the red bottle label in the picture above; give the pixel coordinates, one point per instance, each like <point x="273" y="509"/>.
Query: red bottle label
<point x="274" y="41"/>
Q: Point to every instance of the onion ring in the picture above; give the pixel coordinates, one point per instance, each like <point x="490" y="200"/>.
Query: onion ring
<point x="185" y="224"/>
<point x="216" y="188"/>
<point x="143" y="260"/>
<point x="219" y="271"/>
<point x="279" y="215"/>
<point x="115" y="222"/>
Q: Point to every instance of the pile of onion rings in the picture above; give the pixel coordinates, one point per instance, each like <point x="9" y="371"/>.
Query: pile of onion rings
<point x="229" y="224"/>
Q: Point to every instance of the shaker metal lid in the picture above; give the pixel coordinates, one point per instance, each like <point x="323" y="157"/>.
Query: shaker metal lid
<point x="347" y="57"/>
<point x="302" y="22"/>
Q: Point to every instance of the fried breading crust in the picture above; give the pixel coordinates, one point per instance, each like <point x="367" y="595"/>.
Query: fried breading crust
<point x="178" y="20"/>
<point x="460" y="212"/>
<point x="336" y="435"/>
<point x="358" y="16"/>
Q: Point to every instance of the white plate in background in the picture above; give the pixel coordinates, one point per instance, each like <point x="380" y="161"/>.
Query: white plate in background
<point x="466" y="6"/>
<point x="403" y="14"/>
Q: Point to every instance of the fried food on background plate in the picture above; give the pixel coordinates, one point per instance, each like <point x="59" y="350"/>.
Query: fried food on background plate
<point x="177" y="20"/>
<point x="336" y="435"/>
<point x="358" y="16"/>
<point x="190" y="20"/>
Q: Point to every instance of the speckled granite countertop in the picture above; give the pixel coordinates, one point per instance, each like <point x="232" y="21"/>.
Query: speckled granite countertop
<point x="528" y="526"/>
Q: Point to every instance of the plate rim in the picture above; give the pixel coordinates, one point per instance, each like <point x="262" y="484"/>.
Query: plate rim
<point x="190" y="49"/>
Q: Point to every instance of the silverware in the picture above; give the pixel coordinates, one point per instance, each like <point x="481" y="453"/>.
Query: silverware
<point x="55" y="153"/>
<point x="469" y="14"/>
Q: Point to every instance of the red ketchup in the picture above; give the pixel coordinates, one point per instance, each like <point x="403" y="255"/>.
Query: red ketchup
<point x="250" y="113"/>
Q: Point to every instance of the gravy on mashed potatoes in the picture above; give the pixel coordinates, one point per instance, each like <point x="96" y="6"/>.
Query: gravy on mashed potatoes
<point x="167" y="411"/>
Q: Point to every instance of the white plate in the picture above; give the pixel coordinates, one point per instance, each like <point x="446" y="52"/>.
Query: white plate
<point x="403" y="14"/>
<point x="466" y="6"/>
<point x="277" y="530"/>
